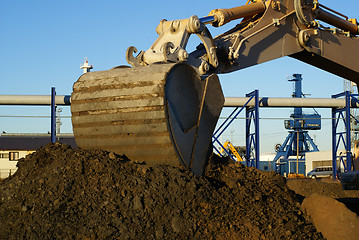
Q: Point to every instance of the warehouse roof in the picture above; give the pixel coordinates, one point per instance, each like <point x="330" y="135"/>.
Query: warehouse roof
<point x="32" y="141"/>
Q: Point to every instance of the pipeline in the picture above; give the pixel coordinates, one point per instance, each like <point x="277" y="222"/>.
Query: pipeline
<point x="42" y="100"/>
<point x="289" y="102"/>
<point x="229" y="101"/>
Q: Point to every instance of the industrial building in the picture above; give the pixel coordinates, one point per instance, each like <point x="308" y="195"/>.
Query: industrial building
<point x="15" y="146"/>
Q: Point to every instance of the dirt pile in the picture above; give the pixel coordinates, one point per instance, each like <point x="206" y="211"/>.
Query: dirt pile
<point x="332" y="217"/>
<point x="325" y="186"/>
<point x="63" y="193"/>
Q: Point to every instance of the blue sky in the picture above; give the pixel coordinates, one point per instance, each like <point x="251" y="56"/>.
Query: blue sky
<point x="43" y="43"/>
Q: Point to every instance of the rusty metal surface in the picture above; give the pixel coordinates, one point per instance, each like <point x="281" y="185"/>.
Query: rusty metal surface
<point x="123" y="110"/>
<point x="146" y="113"/>
<point x="184" y="92"/>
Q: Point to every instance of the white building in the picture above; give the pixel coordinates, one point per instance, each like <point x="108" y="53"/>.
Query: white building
<point x="16" y="146"/>
<point x="317" y="159"/>
<point x="8" y="160"/>
<point x="266" y="161"/>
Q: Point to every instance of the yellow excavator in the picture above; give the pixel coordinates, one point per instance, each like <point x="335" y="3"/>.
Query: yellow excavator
<point x="230" y="149"/>
<point x="164" y="108"/>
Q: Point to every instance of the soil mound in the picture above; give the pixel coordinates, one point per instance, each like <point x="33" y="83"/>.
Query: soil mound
<point x="64" y="193"/>
<point x="325" y="186"/>
<point x="331" y="217"/>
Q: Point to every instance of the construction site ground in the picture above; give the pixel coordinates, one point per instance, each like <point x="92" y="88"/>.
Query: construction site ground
<point x="64" y="193"/>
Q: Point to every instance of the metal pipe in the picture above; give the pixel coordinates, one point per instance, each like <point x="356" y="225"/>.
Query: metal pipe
<point x="207" y="19"/>
<point x="289" y="102"/>
<point x="53" y="115"/>
<point x="223" y="16"/>
<point x="229" y="101"/>
<point x="333" y="11"/>
<point x="297" y="150"/>
<point x="336" y="21"/>
<point x="34" y="100"/>
<point x="62" y="135"/>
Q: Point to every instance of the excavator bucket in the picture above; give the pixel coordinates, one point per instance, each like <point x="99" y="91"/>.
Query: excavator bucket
<point x="161" y="113"/>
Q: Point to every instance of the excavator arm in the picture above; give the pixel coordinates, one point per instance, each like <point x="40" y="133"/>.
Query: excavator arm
<point x="269" y="30"/>
<point x="229" y="148"/>
<point x="292" y="28"/>
<point x="165" y="107"/>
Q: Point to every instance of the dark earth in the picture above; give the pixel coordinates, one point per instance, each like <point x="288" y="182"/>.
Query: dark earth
<point x="64" y="193"/>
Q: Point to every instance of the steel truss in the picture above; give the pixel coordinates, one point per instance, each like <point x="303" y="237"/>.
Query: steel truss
<point x="341" y="119"/>
<point x="252" y="138"/>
